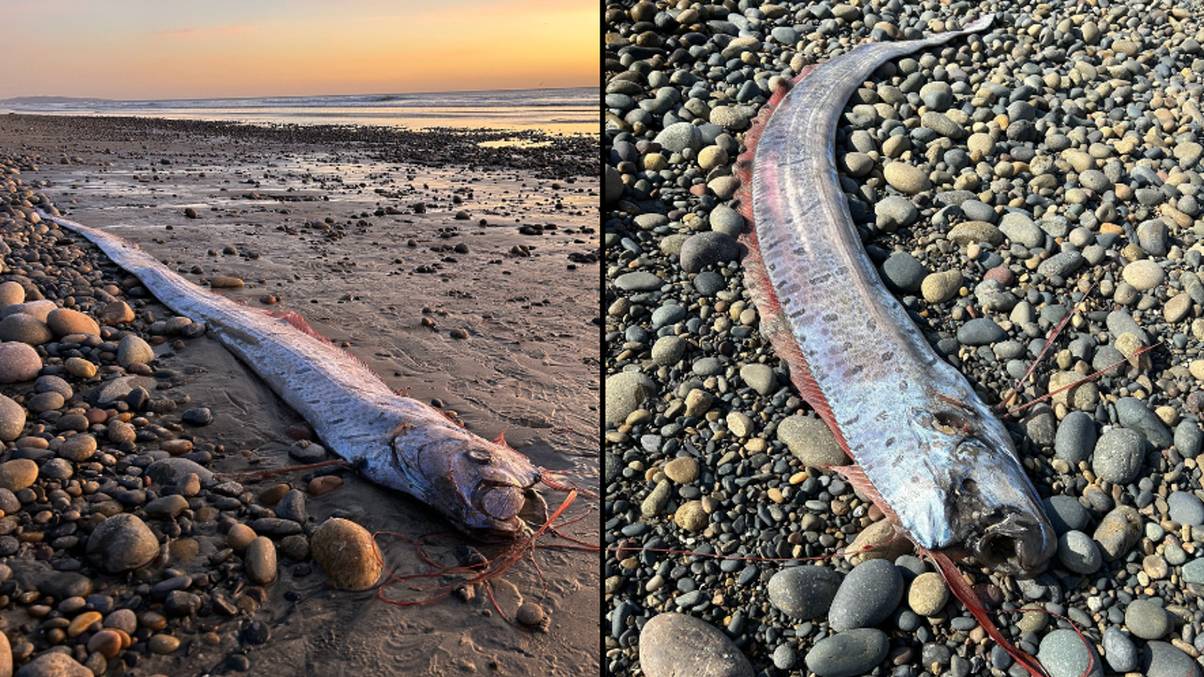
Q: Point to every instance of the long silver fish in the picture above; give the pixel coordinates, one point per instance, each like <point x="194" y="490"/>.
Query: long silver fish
<point x="395" y="441"/>
<point x="926" y="448"/>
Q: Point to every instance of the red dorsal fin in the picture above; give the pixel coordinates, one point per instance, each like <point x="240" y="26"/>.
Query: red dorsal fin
<point x="298" y="321"/>
<point x="501" y="439"/>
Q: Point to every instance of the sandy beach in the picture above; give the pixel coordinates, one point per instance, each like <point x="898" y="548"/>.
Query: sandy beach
<point x="460" y="267"/>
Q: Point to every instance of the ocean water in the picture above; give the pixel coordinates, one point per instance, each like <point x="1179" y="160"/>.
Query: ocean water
<point x="556" y="111"/>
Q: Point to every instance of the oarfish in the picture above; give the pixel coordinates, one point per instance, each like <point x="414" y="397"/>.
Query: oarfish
<point x="395" y="441"/>
<point x="926" y="448"/>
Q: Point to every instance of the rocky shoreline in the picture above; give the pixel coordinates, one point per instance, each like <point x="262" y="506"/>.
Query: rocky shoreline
<point x="1049" y="167"/>
<point x="139" y="538"/>
<point x="556" y="155"/>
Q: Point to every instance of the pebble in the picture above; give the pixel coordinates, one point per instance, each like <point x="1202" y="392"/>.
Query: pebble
<point x="894" y="212"/>
<point x="226" y="282"/>
<point x="1065" y="655"/>
<point x="903" y="272"/>
<point x="1143" y="274"/>
<point x="707" y="248"/>
<point x="691" y="516"/>
<point x="1118" y="531"/>
<point x="1161" y="659"/>
<point x="941" y="286"/>
<point x="53" y="664"/>
<point x="625" y="392"/>
<point x="12" y="419"/>
<point x="64" y="321"/>
<point x="1146" y="620"/>
<point x="868" y="594"/>
<point x="928" y="594"/>
<point x="1135" y="414"/>
<point x="905" y="178"/>
<point x="682" y="470"/>
<point x="23" y="328"/>
<point x="1076" y="438"/>
<point x="240" y="536"/>
<point x="11" y="293"/>
<point x="980" y="331"/>
<point x="260" y="559"/>
<point x="1119" y="650"/>
<point x="121" y="543"/>
<point x="803" y="592"/>
<point x="673" y="644"/>
<point x="134" y="350"/>
<point x="532" y="615"/>
<point x="1118" y="455"/>
<point x="759" y="377"/>
<point x="848" y="653"/>
<point x="163" y="644"/>
<point x="18" y="474"/>
<point x="811" y="442"/>
<point x="1019" y="228"/>
<point x="18" y="362"/>
<point x="347" y="553"/>
<point x="1078" y="553"/>
<point x="679" y="136"/>
<point x="1185" y="508"/>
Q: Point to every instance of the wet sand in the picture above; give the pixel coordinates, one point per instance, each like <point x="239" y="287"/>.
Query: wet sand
<point x="325" y="221"/>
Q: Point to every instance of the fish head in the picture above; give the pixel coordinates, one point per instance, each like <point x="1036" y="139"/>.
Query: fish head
<point x="481" y="486"/>
<point x="989" y="505"/>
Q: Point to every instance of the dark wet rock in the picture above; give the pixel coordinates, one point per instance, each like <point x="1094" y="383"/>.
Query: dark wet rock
<point x="803" y="592"/>
<point x="868" y="594"/>
<point x="848" y="653"/>
<point x="121" y="543"/>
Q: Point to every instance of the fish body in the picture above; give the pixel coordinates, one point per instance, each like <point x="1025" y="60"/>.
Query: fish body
<point x="395" y="441"/>
<point x="934" y="454"/>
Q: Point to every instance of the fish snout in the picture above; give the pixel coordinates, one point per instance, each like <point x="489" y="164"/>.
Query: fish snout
<point x="1017" y="543"/>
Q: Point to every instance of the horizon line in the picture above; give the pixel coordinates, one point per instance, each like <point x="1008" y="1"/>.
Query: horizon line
<point x="292" y="96"/>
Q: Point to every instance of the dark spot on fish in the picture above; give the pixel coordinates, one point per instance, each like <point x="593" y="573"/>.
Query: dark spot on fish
<point x="831" y="317"/>
<point x="887" y="356"/>
<point x="890" y="442"/>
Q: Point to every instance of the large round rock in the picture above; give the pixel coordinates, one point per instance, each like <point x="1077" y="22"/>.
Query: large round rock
<point x="54" y="664"/>
<point x="868" y="594"/>
<point x="676" y="645"/>
<point x="848" y="653"/>
<point x="625" y="392"/>
<point x="1160" y="659"/>
<point x="1118" y="455"/>
<point x="703" y="249"/>
<point x="1065" y="655"/>
<point x="347" y="554"/>
<point x="64" y="321"/>
<point x="18" y="362"/>
<point x="804" y="592"/>
<point x="122" y="543"/>
<point x="24" y="329"/>
<point x="12" y="419"/>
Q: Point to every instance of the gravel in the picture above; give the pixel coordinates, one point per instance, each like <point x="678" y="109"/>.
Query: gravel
<point x="1050" y="169"/>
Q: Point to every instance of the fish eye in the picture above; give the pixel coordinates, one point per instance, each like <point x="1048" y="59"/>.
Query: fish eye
<point x="949" y="422"/>
<point x="480" y="456"/>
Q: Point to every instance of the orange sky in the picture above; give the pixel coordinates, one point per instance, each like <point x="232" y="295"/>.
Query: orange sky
<point x="136" y="49"/>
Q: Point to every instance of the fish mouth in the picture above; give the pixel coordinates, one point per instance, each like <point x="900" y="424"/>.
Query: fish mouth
<point x="1014" y="543"/>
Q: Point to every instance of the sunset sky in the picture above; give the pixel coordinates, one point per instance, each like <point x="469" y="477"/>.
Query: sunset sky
<point x="154" y="49"/>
